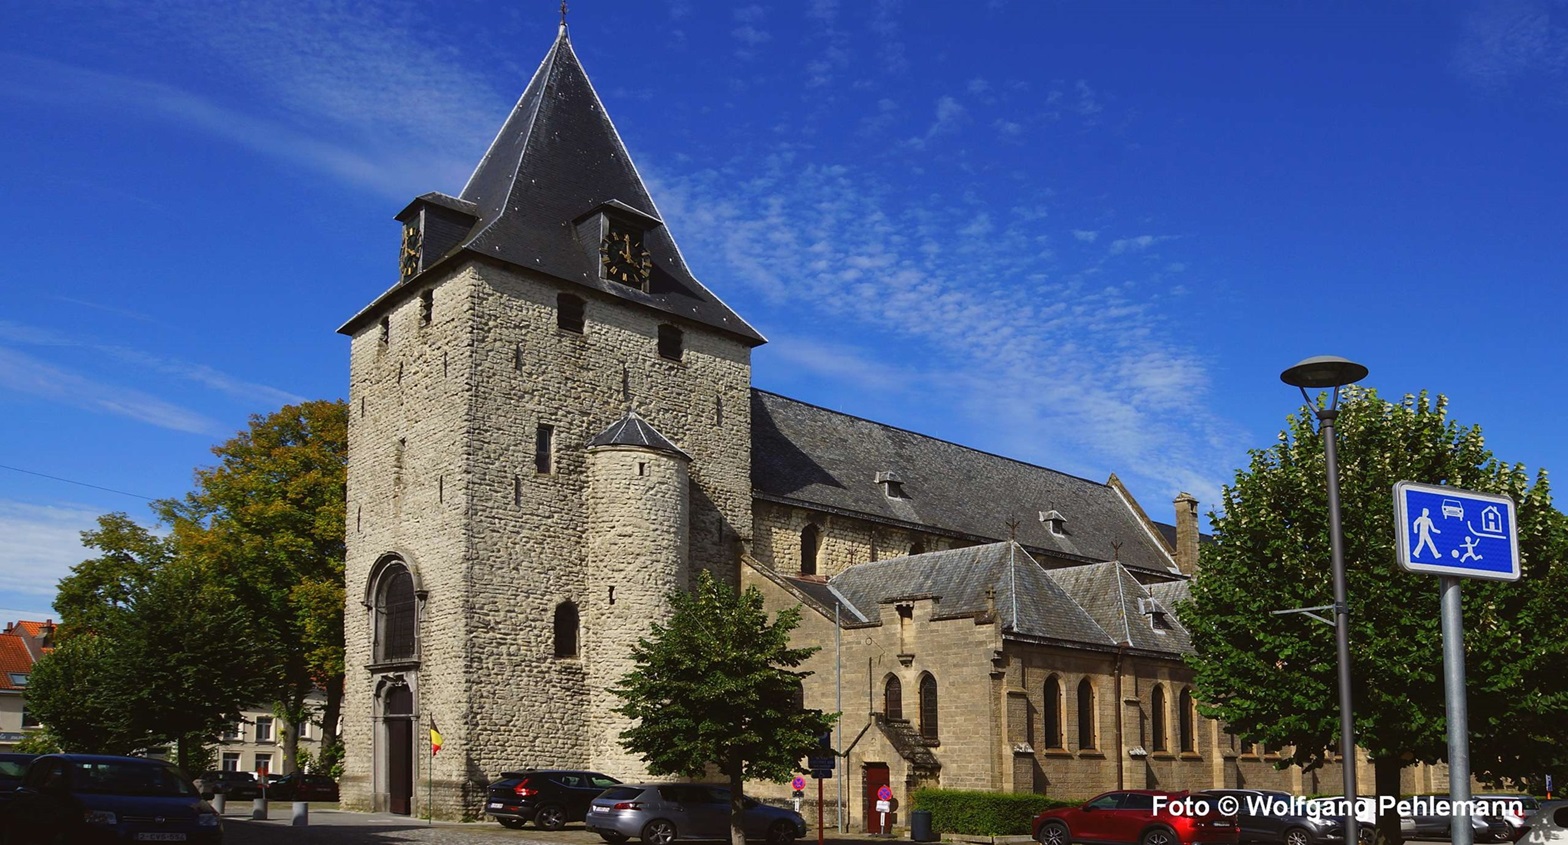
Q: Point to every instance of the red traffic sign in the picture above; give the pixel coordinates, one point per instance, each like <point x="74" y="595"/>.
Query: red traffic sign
<point x="885" y="794"/>
<point x="798" y="783"/>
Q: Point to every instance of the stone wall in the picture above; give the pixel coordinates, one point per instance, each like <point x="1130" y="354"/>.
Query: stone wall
<point x="497" y="544"/>
<point x="843" y="541"/>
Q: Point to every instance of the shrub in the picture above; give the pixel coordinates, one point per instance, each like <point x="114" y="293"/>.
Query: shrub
<point x="983" y="813"/>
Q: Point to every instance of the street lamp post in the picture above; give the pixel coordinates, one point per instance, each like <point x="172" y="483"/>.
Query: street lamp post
<point x="1327" y="371"/>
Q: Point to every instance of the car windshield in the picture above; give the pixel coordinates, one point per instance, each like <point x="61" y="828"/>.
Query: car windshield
<point x="112" y="777"/>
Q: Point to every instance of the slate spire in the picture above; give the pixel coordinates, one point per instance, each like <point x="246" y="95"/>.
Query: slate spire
<point x="558" y="161"/>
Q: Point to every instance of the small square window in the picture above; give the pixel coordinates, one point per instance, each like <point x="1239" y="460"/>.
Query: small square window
<point x="18" y="679"/>
<point x="231" y="761"/>
<point x="569" y="313"/>
<point x="264" y="729"/>
<point x="670" y="342"/>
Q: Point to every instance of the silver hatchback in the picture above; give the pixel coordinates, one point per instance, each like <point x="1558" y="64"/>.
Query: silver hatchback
<point x="659" y="814"/>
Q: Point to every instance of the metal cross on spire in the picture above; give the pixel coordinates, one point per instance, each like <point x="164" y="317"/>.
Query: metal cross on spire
<point x="563" y="14"/>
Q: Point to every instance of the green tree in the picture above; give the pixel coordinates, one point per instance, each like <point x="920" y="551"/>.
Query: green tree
<point x="268" y="522"/>
<point x="150" y="650"/>
<point x="718" y="685"/>
<point x="1273" y="678"/>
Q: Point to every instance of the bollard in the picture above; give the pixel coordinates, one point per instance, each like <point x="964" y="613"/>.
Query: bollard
<point x="258" y="810"/>
<point x="218" y="802"/>
<point x="301" y="814"/>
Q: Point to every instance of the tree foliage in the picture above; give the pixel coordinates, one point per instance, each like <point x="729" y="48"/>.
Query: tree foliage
<point x="150" y="650"/>
<point x="267" y="522"/>
<point x="718" y="685"/>
<point x="1273" y="678"/>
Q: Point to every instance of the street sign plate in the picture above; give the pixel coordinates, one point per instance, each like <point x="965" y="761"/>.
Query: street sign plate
<point x="822" y="774"/>
<point x="1462" y="533"/>
<point x="828" y="763"/>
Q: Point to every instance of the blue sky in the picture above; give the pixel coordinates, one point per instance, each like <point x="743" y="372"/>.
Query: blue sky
<point x="1086" y="235"/>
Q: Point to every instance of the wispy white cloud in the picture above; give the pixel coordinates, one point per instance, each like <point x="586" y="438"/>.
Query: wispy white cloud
<point x="1087" y="236"/>
<point x="1138" y="243"/>
<point x="201" y="374"/>
<point x="31" y="376"/>
<point x="1513" y="40"/>
<point x="1053" y="365"/>
<point x="42" y="543"/>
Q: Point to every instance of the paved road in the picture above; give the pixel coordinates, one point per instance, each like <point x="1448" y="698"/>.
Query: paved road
<point x="338" y="827"/>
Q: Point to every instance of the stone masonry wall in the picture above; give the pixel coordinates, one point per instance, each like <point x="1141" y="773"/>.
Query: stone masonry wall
<point x="407" y="496"/>
<point x="844" y="541"/>
<point x="637" y="515"/>
<point x="528" y="530"/>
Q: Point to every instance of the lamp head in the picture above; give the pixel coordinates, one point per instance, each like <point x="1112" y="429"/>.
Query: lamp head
<point x="1323" y="371"/>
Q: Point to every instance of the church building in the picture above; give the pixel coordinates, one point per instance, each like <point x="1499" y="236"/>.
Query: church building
<point x="553" y="424"/>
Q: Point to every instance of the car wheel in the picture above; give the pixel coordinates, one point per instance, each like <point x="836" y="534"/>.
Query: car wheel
<point x="1159" y="836"/>
<point x="511" y="824"/>
<point x="1054" y="833"/>
<point x="659" y="832"/>
<point x="1366" y="834"/>
<point x="781" y="833"/>
<point x="550" y="817"/>
<point x="1298" y="836"/>
<point x="612" y="838"/>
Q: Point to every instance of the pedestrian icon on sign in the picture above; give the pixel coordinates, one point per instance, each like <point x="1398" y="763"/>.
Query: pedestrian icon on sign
<point x="1424" y="531"/>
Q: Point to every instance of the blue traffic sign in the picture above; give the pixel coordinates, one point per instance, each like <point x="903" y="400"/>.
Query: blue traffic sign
<point x="1463" y="533"/>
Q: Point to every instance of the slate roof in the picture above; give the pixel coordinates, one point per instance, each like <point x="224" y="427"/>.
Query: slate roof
<point x="633" y="430"/>
<point x="1110" y="594"/>
<point x="557" y="159"/>
<point x="1093" y="605"/>
<point x="816" y="458"/>
<point x="14" y="657"/>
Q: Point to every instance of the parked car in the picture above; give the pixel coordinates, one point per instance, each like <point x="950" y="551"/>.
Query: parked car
<point x="298" y="786"/>
<point x="1128" y="817"/>
<point x="659" y="814"/>
<point x="1486" y="828"/>
<point x="1518" y="819"/>
<point x="547" y="797"/>
<point x="12" y="767"/>
<point x="1548" y="826"/>
<point x="235" y="786"/>
<point x="1264" y="815"/>
<point x="87" y="798"/>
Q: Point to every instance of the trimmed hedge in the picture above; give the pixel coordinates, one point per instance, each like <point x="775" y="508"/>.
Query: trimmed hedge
<point x="983" y="813"/>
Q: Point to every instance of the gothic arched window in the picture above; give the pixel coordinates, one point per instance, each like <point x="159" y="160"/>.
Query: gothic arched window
<point x="1053" y="712"/>
<point x="395" y="614"/>
<point x="566" y="629"/>
<point x="810" y="538"/>
<point x="1086" y="728"/>
<point x="928" y="726"/>
<point x="1157" y="720"/>
<point x="893" y="698"/>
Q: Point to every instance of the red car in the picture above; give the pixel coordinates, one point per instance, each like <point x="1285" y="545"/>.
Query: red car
<point x="1138" y="817"/>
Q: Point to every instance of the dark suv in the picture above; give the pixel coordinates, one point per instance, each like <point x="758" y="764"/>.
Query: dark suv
<point x="547" y="797"/>
<point x="1276" y="817"/>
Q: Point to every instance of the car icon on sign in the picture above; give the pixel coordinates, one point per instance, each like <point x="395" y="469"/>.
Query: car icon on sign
<point x="1452" y="507"/>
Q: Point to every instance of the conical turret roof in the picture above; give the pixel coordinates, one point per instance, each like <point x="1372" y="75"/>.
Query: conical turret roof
<point x="633" y="430"/>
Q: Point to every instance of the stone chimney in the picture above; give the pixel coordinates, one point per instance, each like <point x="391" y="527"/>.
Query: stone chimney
<point x="1187" y="533"/>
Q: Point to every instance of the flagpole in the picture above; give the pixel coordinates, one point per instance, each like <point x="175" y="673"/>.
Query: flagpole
<point x="430" y="778"/>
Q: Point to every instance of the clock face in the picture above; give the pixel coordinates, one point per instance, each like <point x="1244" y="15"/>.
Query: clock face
<point x="623" y="258"/>
<point x="409" y="263"/>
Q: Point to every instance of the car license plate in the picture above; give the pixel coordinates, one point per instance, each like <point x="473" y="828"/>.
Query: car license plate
<point x="160" y="837"/>
<point x="598" y="809"/>
<point x="496" y="805"/>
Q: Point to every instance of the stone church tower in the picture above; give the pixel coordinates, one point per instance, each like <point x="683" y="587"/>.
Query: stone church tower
<point x="550" y="427"/>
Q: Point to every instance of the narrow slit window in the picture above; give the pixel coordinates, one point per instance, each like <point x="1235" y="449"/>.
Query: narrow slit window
<point x="427" y="304"/>
<point x="544" y="449"/>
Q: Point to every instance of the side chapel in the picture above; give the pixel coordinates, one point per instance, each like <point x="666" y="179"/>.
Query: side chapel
<point x="553" y="424"/>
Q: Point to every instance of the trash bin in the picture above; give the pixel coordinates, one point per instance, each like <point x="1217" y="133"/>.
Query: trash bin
<point x="920" y="826"/>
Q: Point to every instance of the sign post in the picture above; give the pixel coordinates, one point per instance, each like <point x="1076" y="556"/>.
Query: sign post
<point x="884" y="805"/>
<point x="1456" y="534"/>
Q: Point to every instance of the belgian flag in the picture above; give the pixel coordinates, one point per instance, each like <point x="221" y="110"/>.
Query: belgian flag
<point x="435" y="738"/>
